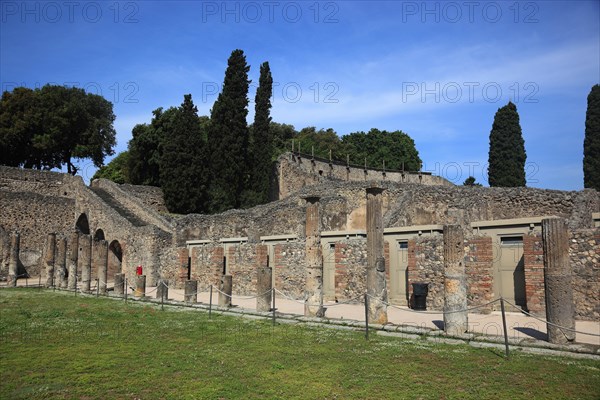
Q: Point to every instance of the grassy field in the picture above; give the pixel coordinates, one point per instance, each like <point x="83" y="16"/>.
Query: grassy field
<point x="59" y="346"/>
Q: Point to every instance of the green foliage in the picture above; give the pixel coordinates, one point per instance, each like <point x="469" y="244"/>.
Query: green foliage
<point x="321" y="141"/>
<point x="49" y="127"/>
<point x="396" y="148"/>
<point x="507" y="149"/>
<point x="116" y="170"/>
<point x="282" y="138"/>
<point x="145" y="147"/>
<point x="182" y="162"/>
<point x="591" y="143"/>
<point x="260" y="145"/>
<point x="228" y="137"/>
<point x="470" y="181"/>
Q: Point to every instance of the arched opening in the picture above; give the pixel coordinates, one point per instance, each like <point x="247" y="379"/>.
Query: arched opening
<point x="82" y="224"/>
<point x="115" y="258"/>
<point x="99" y="235"/>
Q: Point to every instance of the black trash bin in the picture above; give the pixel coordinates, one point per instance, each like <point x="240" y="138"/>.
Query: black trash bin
<point x="420" y="290"/>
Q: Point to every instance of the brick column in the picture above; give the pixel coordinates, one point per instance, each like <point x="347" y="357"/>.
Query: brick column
<point x="455" y="281"/>
<point x="13" y="263"/>
<point x="264" y="279"/>
<point x="60" y="264"/>
<point x="533" y="254"/>
<point x="376" y="276"/>
<point x="85" y="258"/>
<point x="49" y="258"/>
<point x="73" y="256"/>
<point x="119" y="284"/>
<point x="557" y="271"/>
<point x="100" y="257"/>
<point x="314" y="260"/>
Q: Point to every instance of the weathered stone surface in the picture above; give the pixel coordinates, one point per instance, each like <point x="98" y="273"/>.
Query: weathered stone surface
<point x="100" y="257"/>
<point x="72" y="260"/>
<point x="350" y="269"/>
<point x="225" y="291"/>
<point x="140" y="286"/>
<point x="314" y="260"/>
<point x="455" y="281"/>
<point x="584" y="255"/>
<point x="60" y="264"/>
<point x="376" y="277"/>
<point x="191" y="291"/>
<point x="49" y="255"/>
<point x="119" y="285"/>
<point x="264" y="279"/>
<point x="13" y="264"/>
<point x="557" y="271"/>
<point x="85" y="260"/>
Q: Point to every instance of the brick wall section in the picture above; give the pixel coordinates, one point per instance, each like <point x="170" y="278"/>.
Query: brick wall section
<point x="241" y="261"/>
<point x="426" y="264"/>
<point x="182" y="262"/>
<point x="533" y="255"/>
<point x="584" y="254"/>
<point x="290" y="269"/>
<point x="350" y="269"/>
<point x="479" y="270"/>
<point x="207" y="265"/>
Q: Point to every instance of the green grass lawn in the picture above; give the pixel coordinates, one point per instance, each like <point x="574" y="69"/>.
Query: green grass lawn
<point x="61" y="346"/>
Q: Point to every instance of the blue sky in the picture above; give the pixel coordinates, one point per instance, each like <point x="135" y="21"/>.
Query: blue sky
<point x="435" y="70"/>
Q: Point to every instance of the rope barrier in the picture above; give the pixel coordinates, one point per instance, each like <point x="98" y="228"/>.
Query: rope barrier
<point x="434" y="312"/>
<point x="550" y="323"/>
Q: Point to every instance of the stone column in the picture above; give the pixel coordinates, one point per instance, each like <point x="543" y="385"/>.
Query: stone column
<point x="376" y="283"/>
<point x="225" y="291"/>
<point x="60" y="264"/>
<point x="190" y="291"/>
<point x="263" y="279"/>
<point x="73" y="256"/>
<point x="313" y="291"/>
<point x="140" y="286"/>
<point x="101" y="259"/>
<point x="557" y="276"/>
<point x="162" y="290"/>
<point x="455" y="281"/>
<point x="49" y="258"/>
<point x="13" y="263"/>
<point x="85" y="258"/>
<point x="119" y="285"/>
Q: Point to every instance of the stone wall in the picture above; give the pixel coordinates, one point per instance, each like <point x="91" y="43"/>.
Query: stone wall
<point x="207" y="265"/>
<point x="426" y="264"/>
<point x="295" y="171"/>
<point x="584" y="253"/>
<point x="150" y="196"/>
<point x="350" y="269"/>
<point x="535" y="292"/>
<point x="290" y="268"/>
<point x="241" y="260"/>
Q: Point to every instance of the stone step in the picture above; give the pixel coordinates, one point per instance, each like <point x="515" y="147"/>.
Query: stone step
<point x="118" y="207"/>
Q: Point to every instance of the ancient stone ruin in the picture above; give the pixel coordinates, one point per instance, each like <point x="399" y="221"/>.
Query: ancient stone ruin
<point x="332" y="232"/>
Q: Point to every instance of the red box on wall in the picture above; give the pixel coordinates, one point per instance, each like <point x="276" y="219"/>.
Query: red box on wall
<point x="138" y="270"/>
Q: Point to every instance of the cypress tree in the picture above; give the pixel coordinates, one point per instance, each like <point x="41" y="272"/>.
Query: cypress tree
<point x="260" y="146"/>
<point x="228" y="136"/>
<point x="506" y="162"/>
<point x="182" y="175"/>
<point x="591" y="143"/>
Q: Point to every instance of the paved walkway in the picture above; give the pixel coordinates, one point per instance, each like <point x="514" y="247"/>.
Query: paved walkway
<point x="519" y="325"/>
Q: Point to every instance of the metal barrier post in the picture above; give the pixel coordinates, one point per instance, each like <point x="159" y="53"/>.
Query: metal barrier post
<point x="504" y="326"/>
<point x="366" y="316"/>
<point x="273" y="308"/>
<point x="210" y="302"/>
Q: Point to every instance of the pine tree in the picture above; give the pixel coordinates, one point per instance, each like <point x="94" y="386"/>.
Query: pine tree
<point x="506" y="162"/>
<point x="591" y="143"/>
<point x="260" y="146"/>
<point x="182" y="172"/>
<point x="228" y="136"/>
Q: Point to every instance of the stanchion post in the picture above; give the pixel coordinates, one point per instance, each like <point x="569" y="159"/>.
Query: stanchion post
<point x="162" y="298"/>
<point x="273" y="308"/>
<point x="40" y="280"/>
<point x="366" y="316"/>
<point x="210" y="302"/>
<point x="504" y="326"/>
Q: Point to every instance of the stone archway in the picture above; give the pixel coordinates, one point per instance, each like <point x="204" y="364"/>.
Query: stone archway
<point x="115" y="258"/>
<point x="99" y="235"/>
<point x="82" y="225"/>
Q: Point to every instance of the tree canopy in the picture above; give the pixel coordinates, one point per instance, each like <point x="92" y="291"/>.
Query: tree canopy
<point x="591" y="143"/>
<point x="116" y="170"/>
<point x="49" y="127"/>
<point x="506" y="161"/>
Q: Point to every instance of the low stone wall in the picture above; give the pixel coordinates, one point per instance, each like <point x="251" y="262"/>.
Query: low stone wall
<point x="241" y="260"/>
<point x="290" y="268"/>
<point x="350" y="268"/>
<point x="426" y="264"/>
